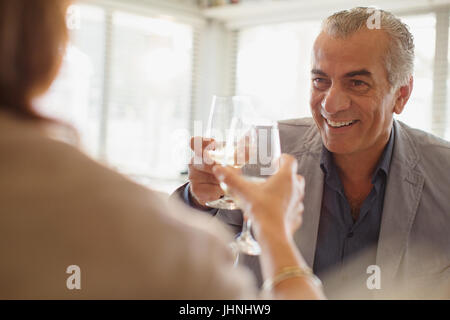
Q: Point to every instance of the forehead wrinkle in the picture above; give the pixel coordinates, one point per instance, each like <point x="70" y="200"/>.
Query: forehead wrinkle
<point x="349" y="53"/>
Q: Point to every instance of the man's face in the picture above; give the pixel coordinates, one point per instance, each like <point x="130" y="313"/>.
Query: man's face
<point x="351" y="100"/>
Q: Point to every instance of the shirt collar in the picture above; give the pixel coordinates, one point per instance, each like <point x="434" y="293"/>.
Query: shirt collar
<point x="329" y="169"/>
<point x="385" y="160"/>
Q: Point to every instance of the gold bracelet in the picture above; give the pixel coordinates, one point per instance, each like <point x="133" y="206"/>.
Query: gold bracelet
<point x="291" y="272"/>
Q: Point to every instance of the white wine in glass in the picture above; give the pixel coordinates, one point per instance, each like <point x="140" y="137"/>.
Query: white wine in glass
<point x="225" y="125"/>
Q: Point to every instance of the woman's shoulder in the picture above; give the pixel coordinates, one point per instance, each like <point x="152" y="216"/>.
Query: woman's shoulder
<point x="79" y="210"/>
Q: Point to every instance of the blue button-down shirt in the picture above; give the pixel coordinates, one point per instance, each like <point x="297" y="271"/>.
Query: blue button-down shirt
<point x="345" y="248"/>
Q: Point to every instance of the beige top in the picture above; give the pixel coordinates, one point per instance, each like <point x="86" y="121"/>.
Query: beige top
<point x="59" y="208"/>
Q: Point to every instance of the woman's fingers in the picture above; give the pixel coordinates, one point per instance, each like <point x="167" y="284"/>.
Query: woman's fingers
<point x="288" y="164"/>
<point x="296" y="218"/>
<point x="288" y="168"/>
<point x="301" y="186"/>
<point x="235" y="183"/>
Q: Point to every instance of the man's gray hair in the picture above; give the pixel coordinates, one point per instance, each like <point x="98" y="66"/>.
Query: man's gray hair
<point x="399" y="58"/>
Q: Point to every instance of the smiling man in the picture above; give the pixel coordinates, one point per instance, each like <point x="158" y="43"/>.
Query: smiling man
<point x="376" y="190"/>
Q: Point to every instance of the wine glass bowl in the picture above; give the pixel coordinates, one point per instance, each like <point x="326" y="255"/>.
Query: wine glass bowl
<point x="225" y="125"/>
<point x="245" y="142"/>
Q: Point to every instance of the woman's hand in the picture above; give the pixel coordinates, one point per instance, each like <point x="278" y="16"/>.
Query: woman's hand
<point x="275" y="206"/>
<point x="276" y="209"/>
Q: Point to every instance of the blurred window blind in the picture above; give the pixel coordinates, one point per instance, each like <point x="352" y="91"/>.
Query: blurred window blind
<point x="273" y="66"/>
<point x="447" y="131"/>
<point x="418" y="112"/>
<point x="125" y="85"/>
<point x="440" y="77"/>
<point x="76" y="95"/>
<point x="150" y="93"/>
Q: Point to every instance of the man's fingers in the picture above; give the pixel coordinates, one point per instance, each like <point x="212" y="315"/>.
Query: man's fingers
<point x="204" y="192"/>
<point x="201" y="142"/>
<point x="203" y="167"/>
<point x="201" y="147"/>
<point x="198" y="144"/>
<point x="202" y="177"/>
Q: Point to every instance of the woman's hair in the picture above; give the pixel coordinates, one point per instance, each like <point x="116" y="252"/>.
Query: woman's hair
<point x="33" y="37"/>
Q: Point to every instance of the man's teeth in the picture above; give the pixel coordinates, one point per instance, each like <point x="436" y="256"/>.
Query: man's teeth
<point x="339" y="124"/>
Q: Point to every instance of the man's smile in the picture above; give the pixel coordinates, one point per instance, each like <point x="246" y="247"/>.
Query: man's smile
<point x="341" y="125"/>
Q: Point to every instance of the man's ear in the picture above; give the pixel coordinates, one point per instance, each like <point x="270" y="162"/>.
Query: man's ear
<point x="403" y="94"/>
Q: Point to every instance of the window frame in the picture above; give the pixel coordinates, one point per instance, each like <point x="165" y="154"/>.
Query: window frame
<point x="159" y="9"/>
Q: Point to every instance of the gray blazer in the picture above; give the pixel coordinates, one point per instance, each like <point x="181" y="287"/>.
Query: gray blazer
<point x="414" y="242"/>
<point x="414" y="239"/>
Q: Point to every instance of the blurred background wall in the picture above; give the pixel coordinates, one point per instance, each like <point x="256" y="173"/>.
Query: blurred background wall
<point x="139" y="75"/>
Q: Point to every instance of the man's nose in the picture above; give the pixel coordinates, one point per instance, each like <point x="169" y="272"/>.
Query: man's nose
<point x="335" y="100"/>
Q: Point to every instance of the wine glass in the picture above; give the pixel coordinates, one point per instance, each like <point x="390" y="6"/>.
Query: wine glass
<point x="226" y="119"/>
<point x="245" y="142"/>
<point x="262" y="151"/>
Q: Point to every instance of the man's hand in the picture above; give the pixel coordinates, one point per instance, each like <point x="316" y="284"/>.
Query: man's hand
<point x="276" y="206"/>
<point x="204" y="186"/>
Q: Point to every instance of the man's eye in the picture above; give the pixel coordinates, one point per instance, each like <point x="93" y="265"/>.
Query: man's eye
<point x="358" y="83"/>
<point x="358" y="86"/>
<point x="320" y="83"/>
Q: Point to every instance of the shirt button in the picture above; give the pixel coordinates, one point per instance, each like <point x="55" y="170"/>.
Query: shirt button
<point x="350" y="234"/>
